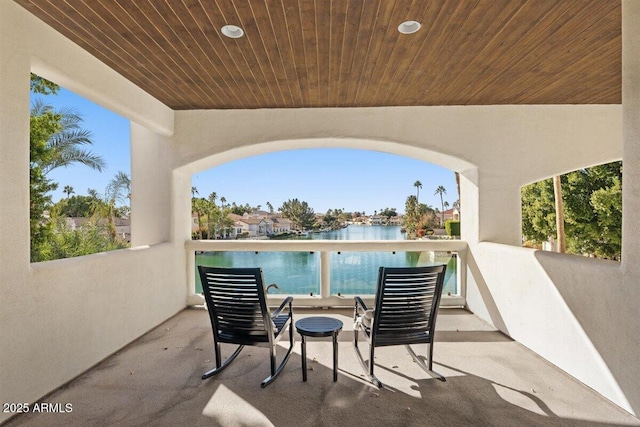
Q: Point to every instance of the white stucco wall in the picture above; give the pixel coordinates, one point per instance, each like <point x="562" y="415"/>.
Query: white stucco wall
<point x="58" y="319"/>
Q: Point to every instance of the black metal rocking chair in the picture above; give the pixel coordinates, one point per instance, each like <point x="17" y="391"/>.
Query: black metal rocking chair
<point x="239" y="314"/>
<point x="406" y="306"/>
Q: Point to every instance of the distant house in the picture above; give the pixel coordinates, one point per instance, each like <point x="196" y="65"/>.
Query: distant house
<point x="377" y="219"/>
<point x="452" y="213"/>
<point x="123" y="229"/>
<point x="396" y="220"/>
<point x="281" y="224"/>
<point x="254" y="226"/>
<point x="123" y="226"/>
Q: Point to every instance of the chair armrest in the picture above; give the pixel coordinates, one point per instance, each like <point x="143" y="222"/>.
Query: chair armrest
<point x="358" y="303"/>
<point x="287" y="300"/>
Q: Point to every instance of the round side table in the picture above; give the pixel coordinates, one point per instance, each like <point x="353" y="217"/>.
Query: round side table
<point x="319" y="327"/>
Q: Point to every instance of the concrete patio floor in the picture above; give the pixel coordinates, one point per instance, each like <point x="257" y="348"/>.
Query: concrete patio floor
<point x="491" y="381"/>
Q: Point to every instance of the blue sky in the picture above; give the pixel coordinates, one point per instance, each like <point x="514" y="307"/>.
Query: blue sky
<point x="354" y="180"/>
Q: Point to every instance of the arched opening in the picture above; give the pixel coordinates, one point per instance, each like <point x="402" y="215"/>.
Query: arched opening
<point x="329" y="179"/>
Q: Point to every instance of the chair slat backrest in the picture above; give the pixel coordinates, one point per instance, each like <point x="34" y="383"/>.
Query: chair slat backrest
<point x="407" y="300"/>
<point x="236" y="301"/>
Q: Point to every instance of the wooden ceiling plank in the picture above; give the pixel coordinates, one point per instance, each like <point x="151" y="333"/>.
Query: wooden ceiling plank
<point x="376" y="42"/>
<point x="512" y="53"/>
<point x="242" y="51"/>
<point x="198" y="33"/>
<point x="310" y="40"/>
<point x="256" y="59"/>
<point x="469" y="46"/>
<point x="580" y="80"/>
<point x="430" y="55"/>
<point x="323" y="26"/>
<point x="405" y="52"/>
<point x="210" y="22"/>
<point x="145" y="24"/>
<point x="266" y="51"/>
<point x="112" y="28"/>
<point x="583" y="27"/>
<point x="293" y="24"/>
<point x="479" y="31"/>
<point x="337" y="21"/>
<point x="361" y="50"/>
<point x="180" y="43"/>
<point x="233" y="49"/>
<point x="276" y="38"/>
<point x="348" y="48"/>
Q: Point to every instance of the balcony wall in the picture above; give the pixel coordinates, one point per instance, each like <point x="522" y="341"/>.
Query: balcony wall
<point x="59" y="318"/>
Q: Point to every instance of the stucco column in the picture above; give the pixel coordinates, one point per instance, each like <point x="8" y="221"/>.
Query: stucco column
<point x="150" y="184"/>
<point x="631" y="134"/>
<point x="14" y="156"/>
<point x="627" y="364"/>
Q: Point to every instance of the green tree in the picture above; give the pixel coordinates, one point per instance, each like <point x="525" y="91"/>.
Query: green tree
<point x="64" y="147"/>
<point x="42" y="126"/>
<point x="87" y="239"/>
<point x="538" y="211"/>
<point x="592" y="200"/>
<point x="74" y="206"/>
<point x="43" y="86"/>
<point x="299" y="213"/>
<point x="388" y="212"/>
<point x="418" y="216"/>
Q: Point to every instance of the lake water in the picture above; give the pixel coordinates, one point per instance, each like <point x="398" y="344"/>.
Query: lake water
<point x="352" y="273"/>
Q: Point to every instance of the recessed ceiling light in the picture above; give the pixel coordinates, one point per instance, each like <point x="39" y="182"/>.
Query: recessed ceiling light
<point x="232" y="31"/>
<point x="409" y="27"/>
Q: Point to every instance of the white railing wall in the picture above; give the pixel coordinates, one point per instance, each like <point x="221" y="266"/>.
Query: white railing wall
<point x="325" y="247"/>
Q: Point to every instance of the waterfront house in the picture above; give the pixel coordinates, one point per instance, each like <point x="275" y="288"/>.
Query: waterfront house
<point x="377" y="219"/>
<point x="280" y="224"/>
<point x="396" y="220"/>
<point x="255" y="227"/>
<point x="504" y="93"/>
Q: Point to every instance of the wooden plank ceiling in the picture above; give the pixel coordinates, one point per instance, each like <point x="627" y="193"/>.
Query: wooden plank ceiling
<point x="348" y="53"/>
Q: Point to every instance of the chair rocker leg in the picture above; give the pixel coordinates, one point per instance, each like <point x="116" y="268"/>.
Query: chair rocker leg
<point x="276" y="371"/>
<point x="368" y="370"/>
<point x="422" y="365"/>
<point x="219" y="368"/>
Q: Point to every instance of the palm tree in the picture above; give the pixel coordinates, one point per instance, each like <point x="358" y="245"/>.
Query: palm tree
<point x="64" y="146"/>
<point x="118" y="190"/>
<point x="68" y="190"/>
<point x="194" y="191"/>
<point x="270" y="206"/>
<point x="441" y="190"/>
<point x="418" y="186"/>
<point x="211" y="213"/>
